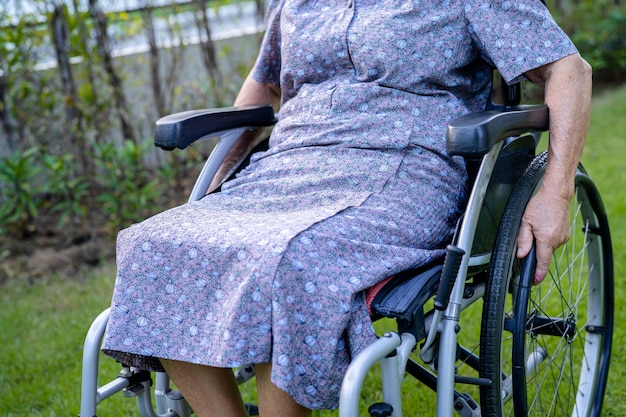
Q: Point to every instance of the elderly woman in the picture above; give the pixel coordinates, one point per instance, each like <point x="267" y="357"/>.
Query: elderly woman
<point x="356" y="186"/>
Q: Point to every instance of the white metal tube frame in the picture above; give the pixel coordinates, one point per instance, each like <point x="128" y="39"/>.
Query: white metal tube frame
<point x="444" y="322"/>
<point x="450" y="318"/>
<point x="91" y="394"/>
<point x="391" y="343"/>
<point x="227" y="140"/>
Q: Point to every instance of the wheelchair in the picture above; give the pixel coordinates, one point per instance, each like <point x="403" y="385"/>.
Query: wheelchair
<point x="473" y="329"/>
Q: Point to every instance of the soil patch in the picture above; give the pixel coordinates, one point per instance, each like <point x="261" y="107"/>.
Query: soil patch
<point x="43" y="249"/>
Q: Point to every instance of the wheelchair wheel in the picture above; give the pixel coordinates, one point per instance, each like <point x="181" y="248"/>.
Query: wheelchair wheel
<point x="546" y="348"/>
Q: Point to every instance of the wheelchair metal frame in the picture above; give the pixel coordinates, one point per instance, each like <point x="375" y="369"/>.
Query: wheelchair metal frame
<point x="393" y="350"/>
<point x="485" y="132"/>
<point x="135" y="382"/>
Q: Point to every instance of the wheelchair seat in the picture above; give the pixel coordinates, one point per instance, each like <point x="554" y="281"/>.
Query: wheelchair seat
<point x="403" y="295"/>
<point x="520" y="331"/>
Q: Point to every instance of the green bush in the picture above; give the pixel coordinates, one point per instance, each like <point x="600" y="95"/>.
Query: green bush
<point x="598" y="28"/>
<point x="20" y="192"/>
<point x="69" y="188"/>
<point x="129" y="190"/>
<point x="34" y="182"/>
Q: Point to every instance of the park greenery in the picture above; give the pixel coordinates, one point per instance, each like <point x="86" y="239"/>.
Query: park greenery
<point x="75" y="147"/>
<point x="76" y="115"/>
<point x="77" y="162"/>
<point x="45" y="323"/>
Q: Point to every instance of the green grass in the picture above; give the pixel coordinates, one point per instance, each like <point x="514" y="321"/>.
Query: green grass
<point x="42" y="331"/>
<point x="604" y="159"/>
<point x="42" y="326"/>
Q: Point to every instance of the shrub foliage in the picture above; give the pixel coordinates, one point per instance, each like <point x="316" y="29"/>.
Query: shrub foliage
<point x="76" y="113"/>
<point x="598" y="28"/>
<point x="73" y="144"/>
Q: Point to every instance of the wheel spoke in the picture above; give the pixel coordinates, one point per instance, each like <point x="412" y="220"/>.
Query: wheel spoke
<point x="563" y="354"/>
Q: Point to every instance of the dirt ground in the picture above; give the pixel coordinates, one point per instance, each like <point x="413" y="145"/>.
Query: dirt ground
<point x="42" y="249"/>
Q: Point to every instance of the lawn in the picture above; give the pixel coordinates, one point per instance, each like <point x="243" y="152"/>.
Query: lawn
<point x="43" y="324"/>
<point x="605" y="161"/>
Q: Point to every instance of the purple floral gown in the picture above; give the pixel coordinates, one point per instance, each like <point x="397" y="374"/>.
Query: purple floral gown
<point x="356" y="186"/>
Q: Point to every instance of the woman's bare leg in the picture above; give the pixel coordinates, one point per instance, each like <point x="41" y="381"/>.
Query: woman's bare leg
<point x="209" y="391"/>
<point x="274" y="402"/>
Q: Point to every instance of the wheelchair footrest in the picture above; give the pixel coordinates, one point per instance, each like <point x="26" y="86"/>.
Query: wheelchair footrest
<point x="403" y="298"/>
<point x="252" y="409"/>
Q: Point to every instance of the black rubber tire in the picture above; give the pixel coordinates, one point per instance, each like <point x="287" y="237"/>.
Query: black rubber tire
<point x="570" y="358"/>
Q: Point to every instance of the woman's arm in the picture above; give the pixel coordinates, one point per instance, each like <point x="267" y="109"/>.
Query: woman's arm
<point x="254" y="92"/>
<point x="251" y="92"/>
<point x="567" y="84"/>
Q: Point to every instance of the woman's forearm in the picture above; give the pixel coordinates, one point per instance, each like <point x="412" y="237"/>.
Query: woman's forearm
<point x="254" y="92"/>
<point x="251" y="92"/>
<point x="567" y="84"/>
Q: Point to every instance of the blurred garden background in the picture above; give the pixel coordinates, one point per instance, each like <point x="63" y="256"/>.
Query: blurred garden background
<point x="82" y="83"/>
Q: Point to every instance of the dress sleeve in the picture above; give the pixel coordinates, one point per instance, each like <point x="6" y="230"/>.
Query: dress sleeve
<point x="266" y="69"/>
<point x="516" y="36"/>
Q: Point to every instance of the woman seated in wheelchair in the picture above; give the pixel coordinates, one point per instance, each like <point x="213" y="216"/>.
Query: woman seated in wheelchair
<point x="356" y="186"/>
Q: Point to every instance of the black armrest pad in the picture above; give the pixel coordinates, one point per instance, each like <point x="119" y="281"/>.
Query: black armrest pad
<point x="474" y="134"/>
<point x="180" y="130"/>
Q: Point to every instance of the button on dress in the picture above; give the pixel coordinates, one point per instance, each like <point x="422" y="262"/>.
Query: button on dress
<point x="356" y="186"/>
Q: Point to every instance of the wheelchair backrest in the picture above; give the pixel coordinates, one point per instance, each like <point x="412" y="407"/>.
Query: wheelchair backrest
<point x="515" y="156"/>
<point x="473" y="135"/>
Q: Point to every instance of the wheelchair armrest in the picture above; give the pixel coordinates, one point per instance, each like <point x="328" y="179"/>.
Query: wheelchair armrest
<point x="474" y="134"/>
<point x="180" y="130"/>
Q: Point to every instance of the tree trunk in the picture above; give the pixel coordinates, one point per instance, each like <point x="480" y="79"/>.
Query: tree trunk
<point x="60" y="36"/>
<point x="6" y="119"/>
<point x="260" y="11"/>
<point x="96" y="117"/>
<point x="155" y="61"/>
<point x="104" y="50"/>
<point x="176" y="53"/>
<point x="207" y="45"/>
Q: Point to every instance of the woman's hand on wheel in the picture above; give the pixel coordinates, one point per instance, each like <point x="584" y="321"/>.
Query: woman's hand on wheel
<point x="546" y="222"/>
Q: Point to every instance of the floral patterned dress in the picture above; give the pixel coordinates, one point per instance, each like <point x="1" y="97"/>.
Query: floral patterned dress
<point x="356" y="186"/>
